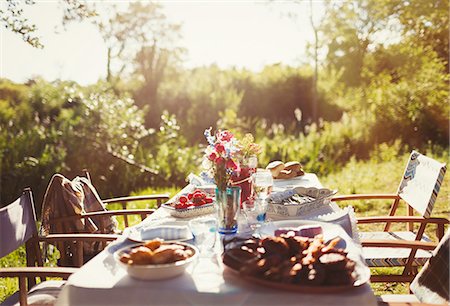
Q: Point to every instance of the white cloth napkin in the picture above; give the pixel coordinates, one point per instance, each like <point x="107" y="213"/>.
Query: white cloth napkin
<point x="163" y="231"/>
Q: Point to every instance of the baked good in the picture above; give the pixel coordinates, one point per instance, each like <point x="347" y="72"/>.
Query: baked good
<point x="294" y="166"/>
<point x="286" y="174"/>
<point x="275" y="168"/>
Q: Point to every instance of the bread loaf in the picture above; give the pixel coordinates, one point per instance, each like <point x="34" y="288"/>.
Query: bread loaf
<point x="275" y="168"/>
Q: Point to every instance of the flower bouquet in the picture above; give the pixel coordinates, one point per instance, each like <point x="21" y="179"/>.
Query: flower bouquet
<point x="223" y="158"/>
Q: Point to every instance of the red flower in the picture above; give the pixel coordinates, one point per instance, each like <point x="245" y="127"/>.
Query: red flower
<point x="219" y="160"/>
<point x="225" y="136"/>
<point x="220" y="148"/>
<point x="231" y="164"/>
<point x="213" y="156"/>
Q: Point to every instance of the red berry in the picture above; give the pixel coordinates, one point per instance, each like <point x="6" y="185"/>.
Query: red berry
<point x="190" y="196"/>
<point x="179" y="206"/>
<point x="197" y="195"/>
<point x="208" y="200"/>
<point x="183" y="199"/>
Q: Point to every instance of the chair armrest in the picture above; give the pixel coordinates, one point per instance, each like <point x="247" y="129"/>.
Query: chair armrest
<point x="377" y="243"/>
<point x="137" y="198"/>
<point x="37" y="272"/>
<point x="352" y="197"/>
<point x="125" y="212"/>
<point x="380" y="219"/>
<point x="381" y="303"/>
<point x="78" y="237"/>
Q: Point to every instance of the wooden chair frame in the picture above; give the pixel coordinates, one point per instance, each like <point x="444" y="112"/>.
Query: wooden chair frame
<point x="35" y="269"/>
<point x="159" y="198"/>
<point x="414" y="246"/>
<point x="410" y="219"/>
<point x="408" y="271"/>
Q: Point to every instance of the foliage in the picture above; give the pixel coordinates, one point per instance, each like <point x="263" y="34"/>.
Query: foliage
<point x="14" y="20"/>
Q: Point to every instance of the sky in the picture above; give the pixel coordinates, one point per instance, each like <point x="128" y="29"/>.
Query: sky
<point x="242" y="34"/>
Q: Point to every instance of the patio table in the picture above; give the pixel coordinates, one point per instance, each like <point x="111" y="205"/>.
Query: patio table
<point x="102" y="281"/>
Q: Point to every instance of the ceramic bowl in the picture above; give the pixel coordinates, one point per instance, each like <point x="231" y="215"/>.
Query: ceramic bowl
<point x="189" y="212"/>
<point x="157" y="272"/>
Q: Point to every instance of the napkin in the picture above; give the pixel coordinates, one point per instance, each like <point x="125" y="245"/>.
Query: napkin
<point x="166" y="232"/>
<point x="345" y="218"/>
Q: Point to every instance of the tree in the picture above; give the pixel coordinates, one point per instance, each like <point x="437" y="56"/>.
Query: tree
<point x="142" y="33"/>
<point x="13" y="17"/>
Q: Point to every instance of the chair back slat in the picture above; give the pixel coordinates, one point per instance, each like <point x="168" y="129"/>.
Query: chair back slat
<point x="421" y="183"/>
<point x="17" y="223"/>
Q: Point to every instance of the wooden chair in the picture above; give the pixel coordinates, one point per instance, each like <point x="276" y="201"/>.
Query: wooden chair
<point x="431" y="285"/>
<point x="18" y="227"/>
<point x="75" y="207"/>
<point x="123" y="201"/>
<point x="418" y="188"/>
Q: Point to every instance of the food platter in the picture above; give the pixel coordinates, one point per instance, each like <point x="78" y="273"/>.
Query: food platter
<point x="361" y="280"/>
<point x="360" y="273"/>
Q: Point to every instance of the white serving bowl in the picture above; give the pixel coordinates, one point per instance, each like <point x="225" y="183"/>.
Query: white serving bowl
<point x="320" y="203"/>
<point x="157" y="272"/>
<point x="189" y="212"/>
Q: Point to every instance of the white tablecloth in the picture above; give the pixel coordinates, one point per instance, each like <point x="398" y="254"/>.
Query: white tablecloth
<point x="102" y="281"/>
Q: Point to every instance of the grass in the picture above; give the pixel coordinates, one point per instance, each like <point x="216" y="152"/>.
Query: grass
<point x="381" y="174"/>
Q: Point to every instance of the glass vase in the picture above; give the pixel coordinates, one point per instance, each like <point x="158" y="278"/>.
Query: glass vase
<point x="228" y="205"/>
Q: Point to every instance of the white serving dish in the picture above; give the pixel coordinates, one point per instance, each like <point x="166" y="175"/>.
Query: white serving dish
<point x="189" y="212"/>
<point x="316" y="200"/>
<point x="156" y="272"/>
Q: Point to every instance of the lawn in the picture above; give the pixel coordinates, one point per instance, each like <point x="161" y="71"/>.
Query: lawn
<point x="375" y="176"/>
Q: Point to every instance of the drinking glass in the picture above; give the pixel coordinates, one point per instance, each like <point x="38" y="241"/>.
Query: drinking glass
<point x="255" y="209"/>
<point x="204" y="231"/>
<point x="262" y="184"/>
<point x="254" y="212"/>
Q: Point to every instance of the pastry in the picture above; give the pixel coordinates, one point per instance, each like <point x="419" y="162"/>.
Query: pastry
<point x="295" y="167"/>
<point x="275" y="168"/>
<point x="286" y="174"/>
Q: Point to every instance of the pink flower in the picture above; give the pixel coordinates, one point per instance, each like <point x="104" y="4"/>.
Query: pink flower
<point x="225" y="135"/>
<point x="220" y="148"/>
<point x="213" y="156"/>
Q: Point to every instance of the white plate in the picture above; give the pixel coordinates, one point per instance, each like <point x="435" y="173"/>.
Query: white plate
<point x="330" y="231"/>
<point x="141" y="235"/>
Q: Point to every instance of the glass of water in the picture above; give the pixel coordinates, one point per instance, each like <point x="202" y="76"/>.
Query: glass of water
<point x="204" y="231"/>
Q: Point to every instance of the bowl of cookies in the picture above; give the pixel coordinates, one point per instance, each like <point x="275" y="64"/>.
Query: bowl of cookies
<point x="156" y="259"/>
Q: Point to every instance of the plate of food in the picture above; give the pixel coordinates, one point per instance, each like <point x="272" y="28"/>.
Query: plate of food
<point x="323" y="260"/>
<point x="156" y="259"/>
<point x="191" y="204"/>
